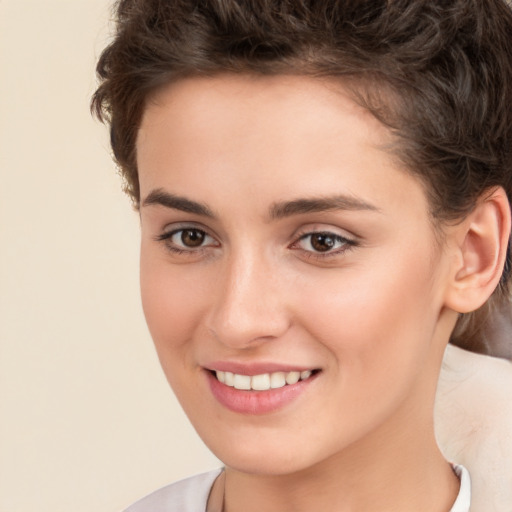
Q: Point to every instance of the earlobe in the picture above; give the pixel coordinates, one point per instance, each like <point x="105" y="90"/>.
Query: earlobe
<point x="482" y="250"/>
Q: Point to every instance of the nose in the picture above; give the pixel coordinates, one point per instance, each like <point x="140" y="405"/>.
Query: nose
<point x="249" y="306"/>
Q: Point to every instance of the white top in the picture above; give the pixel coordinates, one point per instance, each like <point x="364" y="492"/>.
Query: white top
<point x="191" y="494"/>
<point x="188" y="495"/>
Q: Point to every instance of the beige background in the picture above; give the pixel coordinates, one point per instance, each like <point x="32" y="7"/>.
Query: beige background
<point x="87" y="422"/>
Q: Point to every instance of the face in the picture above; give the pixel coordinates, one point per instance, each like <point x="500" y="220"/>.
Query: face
<point x="291" y="278"/>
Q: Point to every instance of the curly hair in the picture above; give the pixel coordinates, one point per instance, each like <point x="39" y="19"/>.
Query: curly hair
<point x="437" y="73"/>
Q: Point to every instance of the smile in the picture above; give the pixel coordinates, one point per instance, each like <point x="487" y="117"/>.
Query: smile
<point x="260" y="393"/>
<point x="262" y="382"/>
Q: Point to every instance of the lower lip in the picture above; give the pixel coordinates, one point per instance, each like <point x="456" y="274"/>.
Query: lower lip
<point x="256" y="402"/>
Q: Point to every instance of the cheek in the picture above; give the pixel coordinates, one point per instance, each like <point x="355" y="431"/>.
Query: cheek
<point x="171" y="302"/>
<point x="382" y="312"/>
<point x="378" y="327"/>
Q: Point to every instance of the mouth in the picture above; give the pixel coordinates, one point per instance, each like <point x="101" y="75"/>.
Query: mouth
<point x="263" y="381"/>
<point x="260" y="393"/>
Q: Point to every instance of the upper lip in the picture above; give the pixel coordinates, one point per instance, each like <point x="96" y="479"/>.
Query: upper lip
<point x="256" y="368"/>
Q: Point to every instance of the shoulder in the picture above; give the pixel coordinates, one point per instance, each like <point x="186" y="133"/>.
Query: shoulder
<point x="478" y="388"/>
<point x="188" y="495"/>
<point x="474" y="421"/>
<point x="474" y="400"/>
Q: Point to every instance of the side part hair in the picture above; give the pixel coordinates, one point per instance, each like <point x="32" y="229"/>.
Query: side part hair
<point x="437" y="73"/>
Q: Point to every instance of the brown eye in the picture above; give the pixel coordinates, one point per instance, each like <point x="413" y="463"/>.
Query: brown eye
<point x="323" y="242"/>
<point x="192" y="237"/>
<point x="189" y="240"/>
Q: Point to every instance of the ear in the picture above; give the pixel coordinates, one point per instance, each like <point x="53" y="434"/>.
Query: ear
<point x="481" y="249"/>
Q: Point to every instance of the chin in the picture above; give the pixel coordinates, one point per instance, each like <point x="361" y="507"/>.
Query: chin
<point x="273" y="457"/>
<point x="264" y="465"/>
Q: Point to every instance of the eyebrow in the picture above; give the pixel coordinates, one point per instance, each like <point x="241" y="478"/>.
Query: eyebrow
<point x="277" y="211"/>
<point x="163" y="198"/>
<point x="317" y="205"/>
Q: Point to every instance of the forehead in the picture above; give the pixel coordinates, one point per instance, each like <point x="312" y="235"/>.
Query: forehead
<point x="230" y="100"/>
<point x="266" y="137"/>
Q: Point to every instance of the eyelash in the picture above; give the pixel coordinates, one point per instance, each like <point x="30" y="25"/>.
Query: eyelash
<point x="347" y="244"/>
<point x="166" y="238"/>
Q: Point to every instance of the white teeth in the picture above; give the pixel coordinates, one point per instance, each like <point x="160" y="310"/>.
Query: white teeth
<point x="229" y="379"/>
<point x="292" y="377"/>
<point x="277" y="380"/>
<point x="241" y="381"/>
<point x="263" y="381"/>
<point x="260" y="382"/>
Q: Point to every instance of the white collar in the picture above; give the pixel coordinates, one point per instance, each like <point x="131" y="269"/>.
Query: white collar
<point x="463" y="500"/>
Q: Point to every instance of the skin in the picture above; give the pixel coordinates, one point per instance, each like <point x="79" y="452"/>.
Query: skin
<point x="372" y="314"/>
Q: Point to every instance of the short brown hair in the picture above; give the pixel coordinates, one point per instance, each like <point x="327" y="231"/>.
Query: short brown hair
<point x="438" y="73"/>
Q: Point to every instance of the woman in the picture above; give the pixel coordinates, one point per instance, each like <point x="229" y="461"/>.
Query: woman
<point x="324" y="198"/>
